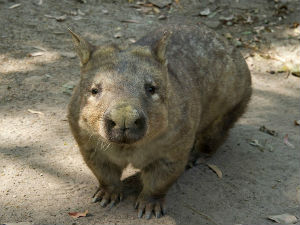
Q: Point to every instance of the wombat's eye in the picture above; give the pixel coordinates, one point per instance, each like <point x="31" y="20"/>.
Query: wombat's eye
<point x="150" y="89"/>
<point x="95" y="91"/>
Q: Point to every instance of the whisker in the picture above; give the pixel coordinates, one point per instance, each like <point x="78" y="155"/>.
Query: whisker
<point x="90" y="137"/>
<point x="107" y="147"/>
<point x="104" y="147"/>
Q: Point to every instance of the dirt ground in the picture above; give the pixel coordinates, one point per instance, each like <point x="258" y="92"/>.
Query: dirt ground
<point x="42" y="175"/>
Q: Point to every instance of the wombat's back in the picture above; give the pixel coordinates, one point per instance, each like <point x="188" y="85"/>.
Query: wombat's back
<point x="206" y="71"/>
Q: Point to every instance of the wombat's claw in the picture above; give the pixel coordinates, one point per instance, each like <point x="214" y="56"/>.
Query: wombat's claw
<point x="106" y="198"/>
<point x="97" y="196"/>
<point x="156" y="206"/>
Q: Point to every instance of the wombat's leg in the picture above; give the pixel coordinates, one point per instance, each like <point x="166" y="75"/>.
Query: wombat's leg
<point x="110" y="187"/>
<point x="209" y="139"/>
<point x="157" y="178"/>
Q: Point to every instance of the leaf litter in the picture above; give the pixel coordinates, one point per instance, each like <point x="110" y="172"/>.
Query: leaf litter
<point x="287" y="142"/>
<point x="205" y="12"/>
<point x="57" y="18"/>
<point x="35" y="112"/>
<point x="284" y="218"/>
<point x="34" y="54"/>
<point x="268" y="131"/>
<point x="262" y="146"/>
<point x="297" y="122"/>
<point x="14" y="6"/>
<point x="161" y="3"/>
<point x="216" y="170"/>
<point x="78" y="214"/>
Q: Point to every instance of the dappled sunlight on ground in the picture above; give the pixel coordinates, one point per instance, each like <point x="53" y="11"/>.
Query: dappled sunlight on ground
<point x="28" y="63"/>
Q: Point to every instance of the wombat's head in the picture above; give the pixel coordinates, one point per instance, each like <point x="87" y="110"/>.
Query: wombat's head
<point x="123" y="93"/>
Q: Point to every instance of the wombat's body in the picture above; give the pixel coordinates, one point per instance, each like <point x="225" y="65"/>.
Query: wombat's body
<point x="179" y="88"/>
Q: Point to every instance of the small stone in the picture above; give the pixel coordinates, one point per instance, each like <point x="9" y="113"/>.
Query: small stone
<point x="118" y="35"/>
<point x="205" y="12"/>
<point x="237" y="43"/>
<point x="162" y="17"/>
<point x="228" y="36"/>
<point x="212" y="24"/>
<point x="131" y="40"/>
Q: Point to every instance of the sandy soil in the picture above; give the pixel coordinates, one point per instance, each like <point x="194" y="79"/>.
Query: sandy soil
<point x="42" y="175"/>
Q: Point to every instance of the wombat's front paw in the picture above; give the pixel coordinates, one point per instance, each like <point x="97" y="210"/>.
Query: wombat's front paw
<point x="147" y="205"/>
<point x="107" y="198"/>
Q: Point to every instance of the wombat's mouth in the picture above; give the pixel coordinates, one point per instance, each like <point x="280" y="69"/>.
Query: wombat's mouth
<point x="126" y="136"/>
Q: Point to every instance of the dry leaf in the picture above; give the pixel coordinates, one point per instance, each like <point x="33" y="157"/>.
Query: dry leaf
<point x="58" y="32"/>
<point x="38" y="2"/>
<point x="215" y="169"/>
<point x="131" y="40"/>
<point x="61" y="18"/>
<point x="15" y="6"/>
<point x="156" y="10"/>
<point x="284" y="218"/>
<point x="292" y="68"/>
<point x="205" y="12"/>
<point x="70" y="55"/>
<point x="261" y="146"/>
<point x="228" y="36"/>
<point x="161" y="3"/>
<point x="35" y="112"/>
<point x="58" y="18"/>
<point x="162" y="17"/>
<point x="34" y="54"/>
<point x="145" y="10"/>
<point x="105" y="11"/>
<point x="129" y="21"/>
<point x="297" y="122"/>
<point x="80" y="12"/>
<point x="286" y="141"/>
<point x="249" y="20"/>
<point x="118" y="35"/>
<point x="255" y="143"/>
<point x="226" y="18"/>
<point x="78" y="214"/>
<point x="258" y="29"/>
<point x="138" y="3"/>
<point x="268" y="131"/>
<point x="295" y="25"/>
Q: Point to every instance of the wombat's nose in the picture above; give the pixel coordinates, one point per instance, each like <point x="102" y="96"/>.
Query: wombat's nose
<point x="124" y="124"/>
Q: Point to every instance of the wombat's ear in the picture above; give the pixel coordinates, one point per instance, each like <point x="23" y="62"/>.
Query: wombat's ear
<point x="160" y="47"/>
<point x="82" y="48"/>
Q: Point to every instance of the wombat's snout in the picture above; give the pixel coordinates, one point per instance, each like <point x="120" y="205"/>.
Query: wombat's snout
<point x="124" y="124"/>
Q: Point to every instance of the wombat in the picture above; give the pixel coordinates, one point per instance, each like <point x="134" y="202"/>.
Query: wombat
<point x="156" y="104"/>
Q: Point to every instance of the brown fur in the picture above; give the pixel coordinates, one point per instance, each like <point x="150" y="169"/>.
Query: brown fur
<point x="204" y="86"/>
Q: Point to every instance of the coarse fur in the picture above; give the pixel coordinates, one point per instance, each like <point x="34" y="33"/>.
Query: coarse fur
<point x="202" y="86"/>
